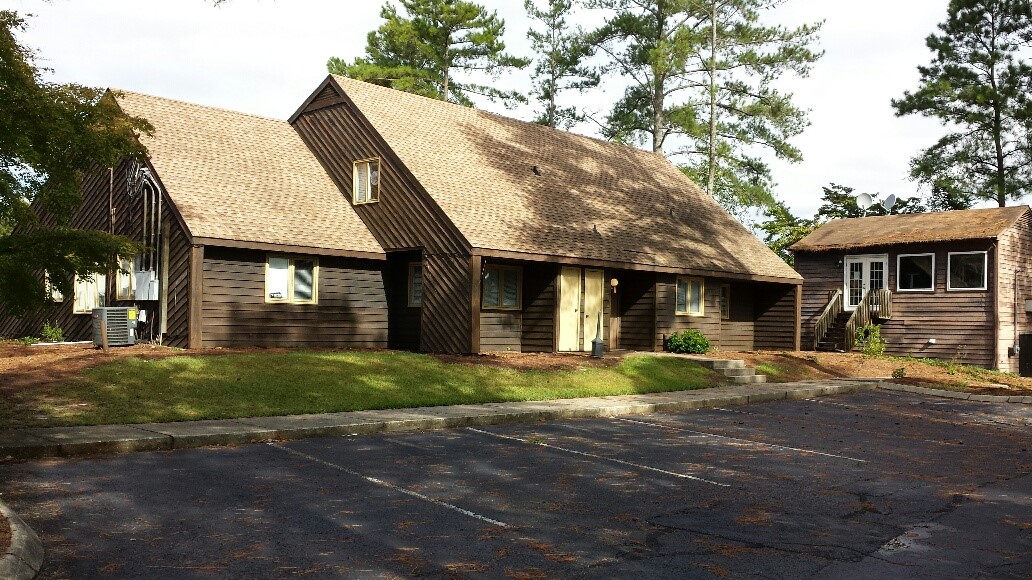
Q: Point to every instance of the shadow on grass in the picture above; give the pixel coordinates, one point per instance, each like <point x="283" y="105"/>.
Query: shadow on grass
<point x="227" y="386"/>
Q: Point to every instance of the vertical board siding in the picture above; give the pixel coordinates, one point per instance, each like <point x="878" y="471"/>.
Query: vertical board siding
<point x="537" y="333"/>
<point x="406" y="217"/>
<point x="775" y="316"/>
<point x="351" y="309"/>
<point x="637" y="302"/>
<point x="98" y="188"/>
<point x="1015" y="247"/>
<point x="961" y="322"/>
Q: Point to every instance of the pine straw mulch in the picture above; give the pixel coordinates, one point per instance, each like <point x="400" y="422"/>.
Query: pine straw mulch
<point x="799" y="366"/>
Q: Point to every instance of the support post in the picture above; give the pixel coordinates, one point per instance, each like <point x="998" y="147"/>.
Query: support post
<point x="196" y="306"/>
<point x="476" y="278"/>
<point x="798" y="317"/>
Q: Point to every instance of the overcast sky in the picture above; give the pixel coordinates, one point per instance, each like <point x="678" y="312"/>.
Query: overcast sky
<point x="266" y="56"/>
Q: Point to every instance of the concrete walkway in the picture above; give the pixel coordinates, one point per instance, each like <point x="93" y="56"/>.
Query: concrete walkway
<point x="22" y="444"/>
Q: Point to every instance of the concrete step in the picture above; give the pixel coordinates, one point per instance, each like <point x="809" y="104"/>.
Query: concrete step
<point x="747" y="379"/>
<point x="739" y="372"/>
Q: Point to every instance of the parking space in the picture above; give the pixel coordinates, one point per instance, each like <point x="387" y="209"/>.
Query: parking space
<point x="869" y="484"/>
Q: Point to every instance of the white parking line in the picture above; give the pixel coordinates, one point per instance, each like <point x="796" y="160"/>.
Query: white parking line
<point x="603" y="458"/>
<point x="682" y="429"/>
<point x="390" y="486"/>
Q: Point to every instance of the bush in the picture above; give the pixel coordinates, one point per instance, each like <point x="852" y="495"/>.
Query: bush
<point x="899" y="373"/>
<point x="689" y="341"/>
<point x="868" y="338"/>
<point x="52" y="333"/>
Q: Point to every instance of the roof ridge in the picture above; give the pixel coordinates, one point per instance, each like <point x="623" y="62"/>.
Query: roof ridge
<point x="543" y="128"/>
<point x="193" y="104"/>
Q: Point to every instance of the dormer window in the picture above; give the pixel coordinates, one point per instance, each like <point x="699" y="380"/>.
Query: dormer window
<point x="367" y="181"/>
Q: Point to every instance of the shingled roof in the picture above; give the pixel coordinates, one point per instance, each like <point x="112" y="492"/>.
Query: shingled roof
<point x="513" y="186"/>
<point x="242" y="178"/>
<point x="947" y="226"/>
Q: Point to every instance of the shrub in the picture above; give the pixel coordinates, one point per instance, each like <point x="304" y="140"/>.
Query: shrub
<point x="868" y="338"/>
<point x="689" y="341"/>
<point x="28" y="340"/>
<point x="52" y="333"/>
<point x="899" y="373"/>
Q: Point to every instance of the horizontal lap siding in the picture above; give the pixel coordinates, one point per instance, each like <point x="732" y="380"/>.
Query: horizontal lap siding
<point x="962" y="323"/>
<point x="500" y="330"/>
<point x="775" y="317"/>
<point x="351" y="309"/>
<point x="1015" y="287"/>
<point x="537" y="333"/>
<point x="667" y="321"/>
<point x="405" y="217"/>
<point x="638" y="310"/>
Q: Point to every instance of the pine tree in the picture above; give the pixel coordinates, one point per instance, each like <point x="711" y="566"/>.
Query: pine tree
<point x="50" y="135"/>
<point x="431" y="48"/>
<point x="560" y="64"/>
<point x="978" y="87"/>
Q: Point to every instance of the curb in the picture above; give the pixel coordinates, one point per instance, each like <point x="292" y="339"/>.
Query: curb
<point x="24" y="558"/>
<point x="889" y="386"/>
<point x="76" y="441"/>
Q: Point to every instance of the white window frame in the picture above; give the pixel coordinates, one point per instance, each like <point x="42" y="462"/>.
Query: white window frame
<point x="688" y="296"/>
<point x="52" y="290"/>
<point x="503" y="273"/>
<point x="371" y="195"/>
<point x="412" y="302"/>
<point x="97" y="286"/>
<point x="120" y="275"/>
<point x="899" y="288"/>
<point x="985" y="271"/>
<point x="289" y="298"/>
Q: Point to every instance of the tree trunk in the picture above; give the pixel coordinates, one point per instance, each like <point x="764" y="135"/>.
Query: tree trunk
<point x="712" y="152"/>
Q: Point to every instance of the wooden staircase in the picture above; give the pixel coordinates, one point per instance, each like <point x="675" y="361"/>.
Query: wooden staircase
<point x="835" y="339"/>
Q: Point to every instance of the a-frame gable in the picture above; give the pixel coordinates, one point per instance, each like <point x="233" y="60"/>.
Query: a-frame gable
<point x="327" y="94"/>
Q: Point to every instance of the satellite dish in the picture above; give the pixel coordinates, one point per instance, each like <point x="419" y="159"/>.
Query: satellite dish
<point x="864" y="201"/>
<point x="889" y="202"/>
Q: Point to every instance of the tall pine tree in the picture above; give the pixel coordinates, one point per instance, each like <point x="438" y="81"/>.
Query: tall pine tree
<point x="978" y="87"/>
<point x="432" y="48"/>
<point x="559" y="67"/>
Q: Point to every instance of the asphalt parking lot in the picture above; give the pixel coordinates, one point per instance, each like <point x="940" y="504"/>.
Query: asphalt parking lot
<point x="868" y="485"/>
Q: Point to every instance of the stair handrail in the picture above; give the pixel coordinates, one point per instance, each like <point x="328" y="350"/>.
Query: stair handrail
<point x="874" y="303"/>
<point x="831" y="311"/>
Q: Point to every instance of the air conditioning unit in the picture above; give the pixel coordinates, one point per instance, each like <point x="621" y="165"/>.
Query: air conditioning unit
<point x="121" y="326"/>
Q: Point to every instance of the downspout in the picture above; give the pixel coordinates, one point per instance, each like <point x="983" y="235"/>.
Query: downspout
<point x="995" y="249"/>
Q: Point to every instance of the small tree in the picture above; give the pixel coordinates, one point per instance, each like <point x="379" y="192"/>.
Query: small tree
<point x="427" y="50"/>
<point x="979" y="89"/>
<point x="782" y="229"/>
<point x="50" y="135"/>
<point x="559" y="67"/>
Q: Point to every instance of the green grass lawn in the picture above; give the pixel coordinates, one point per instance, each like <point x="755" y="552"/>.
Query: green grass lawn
<point x="184" y="388"/>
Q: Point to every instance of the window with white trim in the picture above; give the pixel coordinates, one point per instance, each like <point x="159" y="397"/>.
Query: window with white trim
<point x="125" y="280"/>
<point x="415" y="284"/>
<point x="725" y="302"/>
<point x="293" y="280"/>
<point x="690" y="294"/>
<point x="501" y="288"/>
<point x="967" y="271"/>
<point x="55" y="293"/>
<point x="366" y="181"/>
<point x="89" y="293"/>
<point x="915" y="272"/>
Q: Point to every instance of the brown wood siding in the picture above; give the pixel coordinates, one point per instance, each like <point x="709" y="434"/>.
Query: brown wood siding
<point x="351" y="310"/>
<point x="637" y="305"/>
<point x="446" y="314"/>
<point x="538" y="324"/>
<point x="100" y="188"/>
<point x="668" y="322"/>
<point x="405" y="218"/>
<point x="961" y="322"/>
<point x="775" y="317"/>
<point x="501" y="330"/>
<point x="1015" y="287"/>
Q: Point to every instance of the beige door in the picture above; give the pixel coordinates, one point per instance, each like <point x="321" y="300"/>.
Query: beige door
<point x="592" y="306"/>
<point x="569" y="309"/>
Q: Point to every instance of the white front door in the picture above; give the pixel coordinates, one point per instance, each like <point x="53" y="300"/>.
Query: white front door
<point x="580" y="307"/>
<point x="861" y="274"/>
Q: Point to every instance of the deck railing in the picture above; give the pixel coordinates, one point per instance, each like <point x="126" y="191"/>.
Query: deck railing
<point x="874" y="304"/>
<point x="827" y="317"/>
